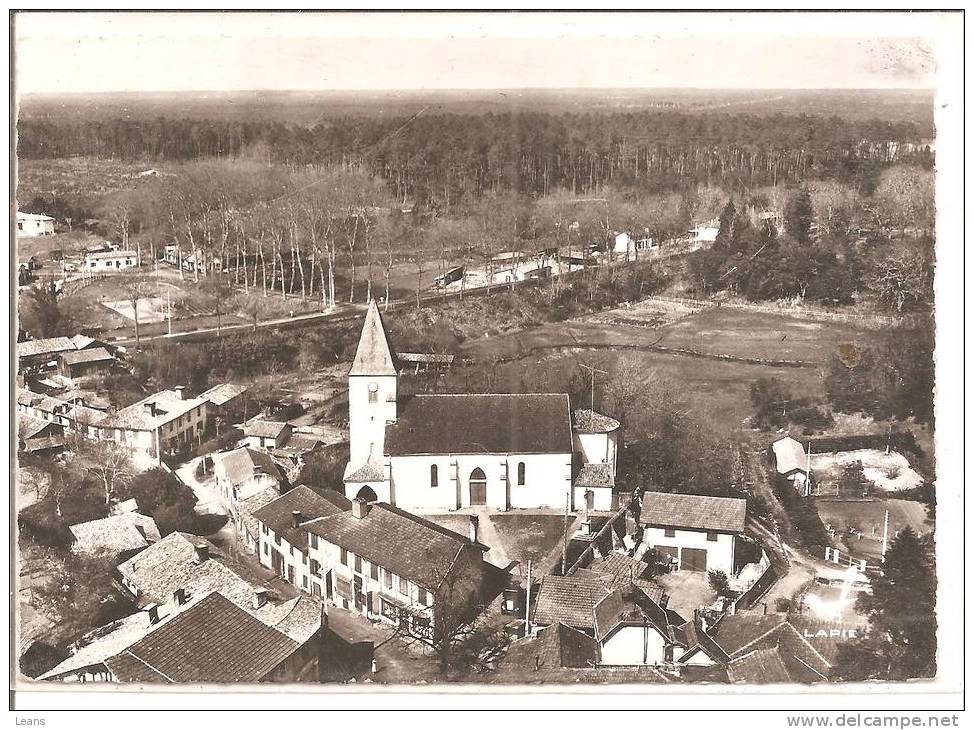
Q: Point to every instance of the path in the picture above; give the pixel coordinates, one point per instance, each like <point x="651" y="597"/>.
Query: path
<point x="208" y="500"/>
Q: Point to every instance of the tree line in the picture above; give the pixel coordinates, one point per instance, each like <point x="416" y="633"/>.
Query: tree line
<point x="441" y="159"/>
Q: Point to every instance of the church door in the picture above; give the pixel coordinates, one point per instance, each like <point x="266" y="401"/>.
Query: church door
<point x="478" y="487"/>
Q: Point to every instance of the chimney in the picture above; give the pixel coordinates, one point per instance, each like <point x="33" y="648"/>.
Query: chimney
<point x="295" y="518"/>
<point x="474" y="528"/>
<point x="260" y="597"/>
<point x="179" y="596"/>
<point x="201" y="553"/>
<point x="180" y="392"/>
<point x="153" y="610"/>
<point x="360" y="508"/>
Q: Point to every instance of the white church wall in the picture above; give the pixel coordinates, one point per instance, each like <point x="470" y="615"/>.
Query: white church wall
<point x="367" y="417"/>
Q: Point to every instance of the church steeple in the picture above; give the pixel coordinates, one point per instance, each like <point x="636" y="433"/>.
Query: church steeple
<point x="373" y="387"/>
<point x="374" y="355"/>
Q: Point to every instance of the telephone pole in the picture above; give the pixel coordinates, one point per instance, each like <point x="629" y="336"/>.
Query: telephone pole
<point x="593" y="371"/>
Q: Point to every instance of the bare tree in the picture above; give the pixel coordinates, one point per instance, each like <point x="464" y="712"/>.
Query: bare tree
<point x="136" y="289"/>
<point x="110" y="463"/>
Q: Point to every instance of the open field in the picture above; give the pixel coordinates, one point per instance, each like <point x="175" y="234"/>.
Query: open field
<point x="887" y="472"/>
<point x="868" y="516"/>
<point x="81" y="178"/>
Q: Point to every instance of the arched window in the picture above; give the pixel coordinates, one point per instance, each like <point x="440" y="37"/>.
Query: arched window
<point x="434" y="475"/>
<point x="520" y="474"/>
<point x="373" y="392"/>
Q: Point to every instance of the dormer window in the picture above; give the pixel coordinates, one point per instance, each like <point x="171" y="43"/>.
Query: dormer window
<point x="373" y="392"/>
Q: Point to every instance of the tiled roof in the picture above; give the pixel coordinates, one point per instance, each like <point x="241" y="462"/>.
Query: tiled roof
<point x="277" y="515"/>
<point x="738" y="632"/>
<point x="555" y="646"/>
<point x="265" y="429"/>
<point x="27" y="397"/>
<point x="160" y="569"/>
<point x="586" y="420"/>
<point x="240" y="465"/>
<point x="28" y="426"/>
<point x="213" y="641"/>
<point x="103" y="643"/>
<point x="112" y="255"/>
<point x="407" y="545"/>
<point x="42" y="444"/>
<point x="789" y="455"/>
<point x="49" y="346"/>
<point x="628" y="606"/>
<point x="482" y="424"/>
<point x="374" y="354"/>
<point x="116" y="534"/>
<point x="95" y="354"/>
<point x="218" y="395"/>
<point x="372" y="471"/>
<point x="619" y="564"/>
<point x="569" y="600"/>
<point x="247" y="506"/>
<point x="763" y="666"/>
<point x="693" y="511"/>
<point x="594" y="475"/>
<point x="169" y="406"/>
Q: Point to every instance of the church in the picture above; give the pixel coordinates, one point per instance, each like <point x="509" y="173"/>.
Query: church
<point x="451" y="451"/>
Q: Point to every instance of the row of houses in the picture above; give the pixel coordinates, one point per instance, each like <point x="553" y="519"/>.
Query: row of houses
<point x="202" y="619"/>
<point x="71" y="356"/>
<point x="161" y="423"/>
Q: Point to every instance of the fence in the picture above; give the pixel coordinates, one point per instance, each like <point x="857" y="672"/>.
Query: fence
<point x="761" y="586"/>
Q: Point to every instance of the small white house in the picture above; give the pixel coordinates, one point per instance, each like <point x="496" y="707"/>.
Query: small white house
<point x="696" y="532"/>
<point x="31" y="224"/>
<point x="625" y="245"/>
<point x="705" y="232"/>
<point x="791" y="462"/>
<point x="111" y="261"/>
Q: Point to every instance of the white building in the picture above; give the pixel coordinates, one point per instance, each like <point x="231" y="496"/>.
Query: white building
<point x="111" y="261"/>
<point x="385" y="563"/>
<point x="792" y="463"/>
<point x="705" y="232"/>
<point x="160" y="423"/>
<point x="698" y="533"/>
<point x="31" y="224"/>
<point x="447" y="452"/>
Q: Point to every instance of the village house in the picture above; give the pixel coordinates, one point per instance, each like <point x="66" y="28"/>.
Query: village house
<point x="247" y="479"/>
<point x="182" y="567"/>
<point x="110" y="261"/>
<point x="510" y="451"/>
<point x="260" y="434"/>
<point x="42" y="354"/>
<point x="89" y="361"/>
<point x="792" y="463"/>
<point x="120" y="535"/>
<point x="283" y="542"/>
<point x="158" y="424"/>
<point x="705" y="233"/>
<point x="225" y="400"/>
<point x="768" y="649"/>
<point x="36" y="434"/>
<point x="387" y="564"/>
<point x="32" y="224"/>
<point x="201" y="639"/>
<point x="696" y="532"/>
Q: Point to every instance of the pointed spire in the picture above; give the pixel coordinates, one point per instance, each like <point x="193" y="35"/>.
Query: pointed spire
<point x="374" y="355"/>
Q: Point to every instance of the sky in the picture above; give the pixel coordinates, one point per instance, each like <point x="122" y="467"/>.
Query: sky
<point x="110" y="52"/>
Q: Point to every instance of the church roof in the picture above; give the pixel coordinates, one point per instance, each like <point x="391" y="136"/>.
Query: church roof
<point x="374" y="354"/>
<point x="538" y="423"/>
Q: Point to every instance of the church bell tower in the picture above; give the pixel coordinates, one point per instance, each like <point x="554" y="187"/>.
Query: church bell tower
<point x="373" y="386"/>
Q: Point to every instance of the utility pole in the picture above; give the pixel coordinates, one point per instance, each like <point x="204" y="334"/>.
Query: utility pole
<point x="885" y="533"/>
<point x="169" y="310"/>
<point x="564" y="549"/>
<point x="593" y="371"/>
<point x="527" y="604"/>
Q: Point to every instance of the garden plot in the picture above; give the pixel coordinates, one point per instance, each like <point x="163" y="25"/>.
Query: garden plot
<point x="886" y="472"/>
<point x="151" y="309"/>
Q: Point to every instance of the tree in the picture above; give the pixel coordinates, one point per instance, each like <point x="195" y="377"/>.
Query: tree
<point x="799" y="215"/>
<point x="901" y="607"/>
<point x="109" y="463"/>
<point x="720" y="584"/>
<point x="218" y="290"/>
<point x="41" y="313"/>
<point x="167" y="500"/>
<point x="903" y="279"/>
<point x="770" y="398"/>
<point x="136" y="288"/>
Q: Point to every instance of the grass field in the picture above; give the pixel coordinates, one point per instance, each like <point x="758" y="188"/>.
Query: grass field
<point x="717" y="390"/>
<point x="869" y="516"/>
